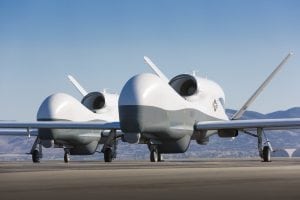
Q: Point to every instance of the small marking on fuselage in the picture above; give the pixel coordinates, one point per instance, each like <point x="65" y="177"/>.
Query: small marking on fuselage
<point x="215" y="105"/>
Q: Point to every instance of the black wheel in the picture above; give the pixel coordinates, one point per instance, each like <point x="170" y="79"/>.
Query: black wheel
<point x="266" y="154"/>
<point x="66" y="157"/>
<point x="160" y="158"/>
<point x="36" y="156"/>
<point x="108" y="155"/>
<point x="154" y="155"/>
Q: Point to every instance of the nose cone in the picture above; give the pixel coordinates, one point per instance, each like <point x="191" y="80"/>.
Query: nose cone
<point x="141" y="102"/>
<point x="62" y="106"/>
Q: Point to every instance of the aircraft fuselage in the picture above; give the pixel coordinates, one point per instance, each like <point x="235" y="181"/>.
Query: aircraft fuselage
<point x="154" y="108"/>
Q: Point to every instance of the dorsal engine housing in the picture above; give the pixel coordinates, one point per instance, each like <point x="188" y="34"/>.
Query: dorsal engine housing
<point x="184" y="84"/>
<point x="94" y="101"/>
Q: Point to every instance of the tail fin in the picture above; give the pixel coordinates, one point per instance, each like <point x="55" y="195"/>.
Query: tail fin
<point x="240" y="113"/>
<point x="77" y="85"/>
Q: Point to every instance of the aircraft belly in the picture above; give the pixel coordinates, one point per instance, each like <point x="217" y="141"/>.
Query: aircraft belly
<point x="70" y="136"/>
<point x="162" y="124"/>
<point x="175" y="146"/>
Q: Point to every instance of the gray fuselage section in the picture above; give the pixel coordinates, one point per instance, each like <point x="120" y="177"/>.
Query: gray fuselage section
<point x="172" y="130"/>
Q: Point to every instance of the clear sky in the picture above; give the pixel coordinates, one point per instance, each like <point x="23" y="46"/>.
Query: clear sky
<point x="102" y="43"/>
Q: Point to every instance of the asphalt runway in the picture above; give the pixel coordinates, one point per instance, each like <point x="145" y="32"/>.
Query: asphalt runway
<point x="189" y="179"/>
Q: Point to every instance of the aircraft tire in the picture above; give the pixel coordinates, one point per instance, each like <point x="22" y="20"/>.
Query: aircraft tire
<point x="266" y="154"/>
<point x="66" y="157"/>
<point x="160" y="158"/>
<point x="108" y="155"/>
<point x="36" y="156"/>
<point x="154" y="155"/>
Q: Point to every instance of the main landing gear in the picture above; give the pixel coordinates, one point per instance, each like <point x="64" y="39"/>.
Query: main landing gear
<point x="264" y="149"/>
<point x="110" y="147"/>
<point x="155" y="156"/>
<point x="36" y="151"/>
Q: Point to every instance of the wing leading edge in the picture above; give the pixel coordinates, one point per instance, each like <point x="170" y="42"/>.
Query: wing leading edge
<point x="279" y="124"/>
<point x="18" y="132"/>
<point x="61" y="125"/>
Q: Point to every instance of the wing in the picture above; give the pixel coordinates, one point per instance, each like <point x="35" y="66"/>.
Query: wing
<point x="18" y="132"/>
<point x="60" y="125"/>
<point x="279" y="124"/>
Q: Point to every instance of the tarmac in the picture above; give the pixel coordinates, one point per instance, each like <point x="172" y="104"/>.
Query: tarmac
<point x="186" y="179"/>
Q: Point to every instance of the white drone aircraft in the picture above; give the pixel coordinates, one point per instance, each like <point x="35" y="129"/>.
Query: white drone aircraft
<point x="165" y="115"/>
<point x="94" y="106"/>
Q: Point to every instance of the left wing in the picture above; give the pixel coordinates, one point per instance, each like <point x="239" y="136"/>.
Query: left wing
<point x="61" y="125"/>
<point x="287" y="123"/>
<point x="18" y="132"/>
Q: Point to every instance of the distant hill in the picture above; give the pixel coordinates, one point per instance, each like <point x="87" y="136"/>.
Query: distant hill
<point x="247" y="114"/>
<point x="290" y="113"/>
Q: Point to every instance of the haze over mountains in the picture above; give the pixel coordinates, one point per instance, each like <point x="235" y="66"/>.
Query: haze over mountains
<point x="243" y="146"/>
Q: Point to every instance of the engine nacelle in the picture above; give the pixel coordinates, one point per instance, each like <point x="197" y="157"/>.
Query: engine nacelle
<point x="227" y="133"/>
<point x="185" y="85"/>
<point x="94" y="101"/>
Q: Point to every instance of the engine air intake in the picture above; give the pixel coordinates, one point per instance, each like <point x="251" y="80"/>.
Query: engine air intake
<point x="184" y="84"/>
<point x="94" y="101"/>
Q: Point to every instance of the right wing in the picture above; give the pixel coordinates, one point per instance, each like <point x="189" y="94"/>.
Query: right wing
<point x="274" y="124"/>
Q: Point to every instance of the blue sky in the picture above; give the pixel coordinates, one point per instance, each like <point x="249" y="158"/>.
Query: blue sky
<point x="102" y="43"/>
